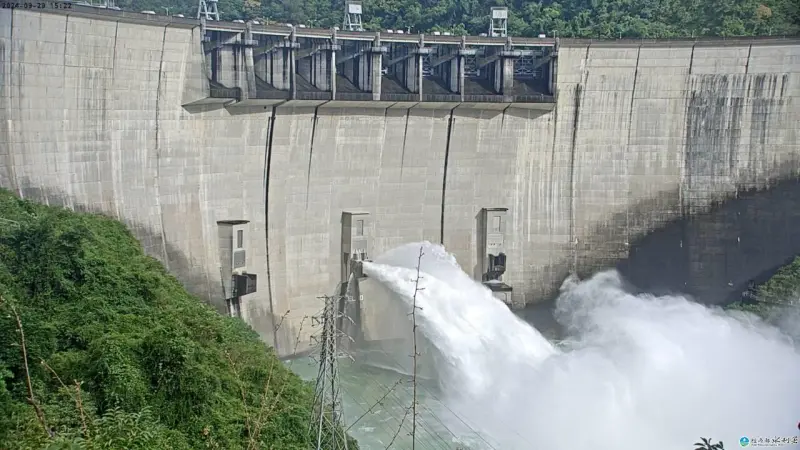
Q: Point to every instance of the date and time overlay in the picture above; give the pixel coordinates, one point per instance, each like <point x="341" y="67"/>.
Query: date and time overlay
<point x="36" y="5"/>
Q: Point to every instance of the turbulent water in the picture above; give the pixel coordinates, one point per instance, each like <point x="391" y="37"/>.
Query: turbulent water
<point x="635" y="372"/>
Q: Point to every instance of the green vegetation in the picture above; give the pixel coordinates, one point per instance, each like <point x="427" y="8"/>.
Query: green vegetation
<point x="706" y="444"/>
<point x="784" y="286"/>
<point x="778" y="291"/>
<point x="568" y="18"/>
<point x="101" y="349"/>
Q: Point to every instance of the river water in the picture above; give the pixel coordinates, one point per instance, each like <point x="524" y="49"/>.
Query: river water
<point x="629" y="372"/>
<point x="364" y="386"/>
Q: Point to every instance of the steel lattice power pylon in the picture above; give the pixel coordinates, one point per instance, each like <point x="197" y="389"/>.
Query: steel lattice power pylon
<point x="352" y="16"/>
<point x="327" y="422"/>
<point x="207" y="9"/>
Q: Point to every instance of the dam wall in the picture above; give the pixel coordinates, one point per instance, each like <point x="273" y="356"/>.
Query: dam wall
<point x="643" y="133"/>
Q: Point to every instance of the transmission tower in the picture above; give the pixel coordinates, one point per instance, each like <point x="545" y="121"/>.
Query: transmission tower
<point x="499" y="25"/>
<point x="327" y="421"/>
<point x="352" y="16"/>
<point x="103" y="4"/>
<point x="207" y="9"/>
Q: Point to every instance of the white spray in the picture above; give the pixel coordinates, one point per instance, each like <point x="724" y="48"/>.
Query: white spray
<point x="637" y="372"/>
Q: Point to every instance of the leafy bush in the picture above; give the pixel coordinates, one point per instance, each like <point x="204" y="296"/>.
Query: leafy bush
<point x="784" y="286"/>
<point x="119" y="355"/>
<point x="779" y="293"/>
<point x="706" y="444"/>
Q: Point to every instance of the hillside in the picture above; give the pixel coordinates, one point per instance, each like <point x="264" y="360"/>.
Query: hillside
<point x="778" y="299"/>
<point x="567" y="18"/>
<point x="119" y="355"/>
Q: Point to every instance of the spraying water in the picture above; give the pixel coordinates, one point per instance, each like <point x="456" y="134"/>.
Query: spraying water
<point x="636" y="372"/>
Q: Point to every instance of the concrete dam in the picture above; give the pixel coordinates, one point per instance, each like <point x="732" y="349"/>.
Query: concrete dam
<point x="235" y="151"/>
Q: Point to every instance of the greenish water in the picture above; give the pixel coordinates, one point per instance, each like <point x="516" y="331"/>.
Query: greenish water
<point x="376" y="400"/>
<point x="383" y="367"/>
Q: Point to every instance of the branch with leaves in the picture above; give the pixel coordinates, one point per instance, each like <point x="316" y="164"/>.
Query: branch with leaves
<point x="378" y="402"/>
<point x="265" y="413"/>
<point x="76" y="397"/>
<point x="23" y="347"/>
<point x="415" y="355"/>
<point x="705" y="444"/>
<point x="267" y="406"/>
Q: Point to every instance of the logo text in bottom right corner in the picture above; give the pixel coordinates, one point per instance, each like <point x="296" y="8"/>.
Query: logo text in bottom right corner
<point x="771" y="441"/>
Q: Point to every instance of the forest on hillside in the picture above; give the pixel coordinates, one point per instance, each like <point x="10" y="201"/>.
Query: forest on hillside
<point x="778" y="299"/>
<point x="102" y="349"/>
<point x="566" y="18"/>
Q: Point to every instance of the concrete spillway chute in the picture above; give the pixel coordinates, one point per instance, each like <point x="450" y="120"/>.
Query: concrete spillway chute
<point x="492" y="223"/>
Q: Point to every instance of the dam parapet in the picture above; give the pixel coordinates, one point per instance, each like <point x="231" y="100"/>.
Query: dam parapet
<point x="256" y="64"/>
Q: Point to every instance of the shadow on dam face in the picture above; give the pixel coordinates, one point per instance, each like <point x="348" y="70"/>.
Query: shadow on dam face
<point x="194" y="279"/>
<point x="713" y="256"/>
<point x="710" y="257"/>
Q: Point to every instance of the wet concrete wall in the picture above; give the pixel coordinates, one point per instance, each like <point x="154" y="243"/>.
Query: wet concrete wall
<point x="714" y="255"/>
<point x="643" y="134"/>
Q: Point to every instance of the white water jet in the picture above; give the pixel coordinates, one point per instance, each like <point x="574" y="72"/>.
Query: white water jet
<point x="636" y="372"/>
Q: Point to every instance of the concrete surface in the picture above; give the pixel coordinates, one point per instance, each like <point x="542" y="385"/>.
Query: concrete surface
<point x="643" y="133"/>
<point x="714" y="256"/>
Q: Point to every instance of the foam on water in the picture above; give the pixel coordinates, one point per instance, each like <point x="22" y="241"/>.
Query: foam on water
<point x="636" y="371"/>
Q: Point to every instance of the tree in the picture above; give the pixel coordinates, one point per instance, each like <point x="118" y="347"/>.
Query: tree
<point x="568" y="18"/>
<point x="706" y="444"/>
<point x="100" y="348"/>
